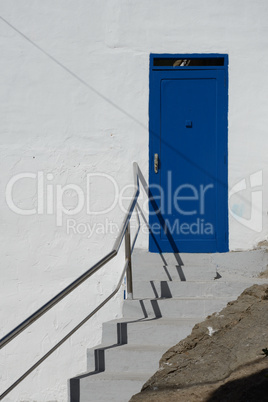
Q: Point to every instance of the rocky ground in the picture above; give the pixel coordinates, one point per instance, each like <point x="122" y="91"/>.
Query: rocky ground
<point x="222" y="359"/>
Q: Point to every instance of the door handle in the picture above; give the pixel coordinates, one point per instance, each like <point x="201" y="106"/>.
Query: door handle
<point x="156" y="163"/>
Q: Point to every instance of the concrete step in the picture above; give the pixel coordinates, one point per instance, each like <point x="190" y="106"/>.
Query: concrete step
<point x="245" y="263"/>
<point x="173" y="292"/>
<point x="174" y="273"/>
<point x="106" y="387"/>
<point x="181" y="267"/>
<point x="190" y="307"/>
<point x="142" y="257"/>
<point x="168" y="289"/>
<point x="125" y="358"/>
<point x="148" y="331"/>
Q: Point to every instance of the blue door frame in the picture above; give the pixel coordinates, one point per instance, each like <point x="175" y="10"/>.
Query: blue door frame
<point x="188" y="150"/>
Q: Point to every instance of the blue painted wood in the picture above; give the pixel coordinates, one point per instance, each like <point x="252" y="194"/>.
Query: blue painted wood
<point x="188" y="130"/>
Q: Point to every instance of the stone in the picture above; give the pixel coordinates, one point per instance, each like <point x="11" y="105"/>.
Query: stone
<point x="216" y="349"/>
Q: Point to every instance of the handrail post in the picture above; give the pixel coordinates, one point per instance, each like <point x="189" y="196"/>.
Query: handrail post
<point x="129" y="267"/>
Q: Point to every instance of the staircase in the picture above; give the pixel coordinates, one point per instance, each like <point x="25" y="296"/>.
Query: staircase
<point x="171" y="293"/>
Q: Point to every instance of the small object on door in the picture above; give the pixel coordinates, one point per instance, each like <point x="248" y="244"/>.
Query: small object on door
<point x="188" y="124"/>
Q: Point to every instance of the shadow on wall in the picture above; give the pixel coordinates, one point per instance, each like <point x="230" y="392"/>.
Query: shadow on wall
<point x="161" y="220"/>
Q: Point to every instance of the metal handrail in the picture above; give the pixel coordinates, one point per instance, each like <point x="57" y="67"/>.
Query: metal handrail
<point x="66" y="336"/>
<point x="124" y="232"/>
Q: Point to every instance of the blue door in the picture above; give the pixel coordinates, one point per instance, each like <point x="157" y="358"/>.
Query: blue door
<point x="188" y="154"/>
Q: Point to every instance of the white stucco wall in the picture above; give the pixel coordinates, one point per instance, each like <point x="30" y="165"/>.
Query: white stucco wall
<point x="74" y="100"/>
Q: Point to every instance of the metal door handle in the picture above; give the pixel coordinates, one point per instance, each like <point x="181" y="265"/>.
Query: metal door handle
<point x="156" y="163"/>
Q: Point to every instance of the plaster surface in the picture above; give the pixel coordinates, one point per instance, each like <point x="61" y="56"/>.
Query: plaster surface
<point x="74" y="100"/>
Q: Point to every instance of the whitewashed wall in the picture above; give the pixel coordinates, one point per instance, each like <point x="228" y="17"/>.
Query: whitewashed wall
<point x="74" y="100"/>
